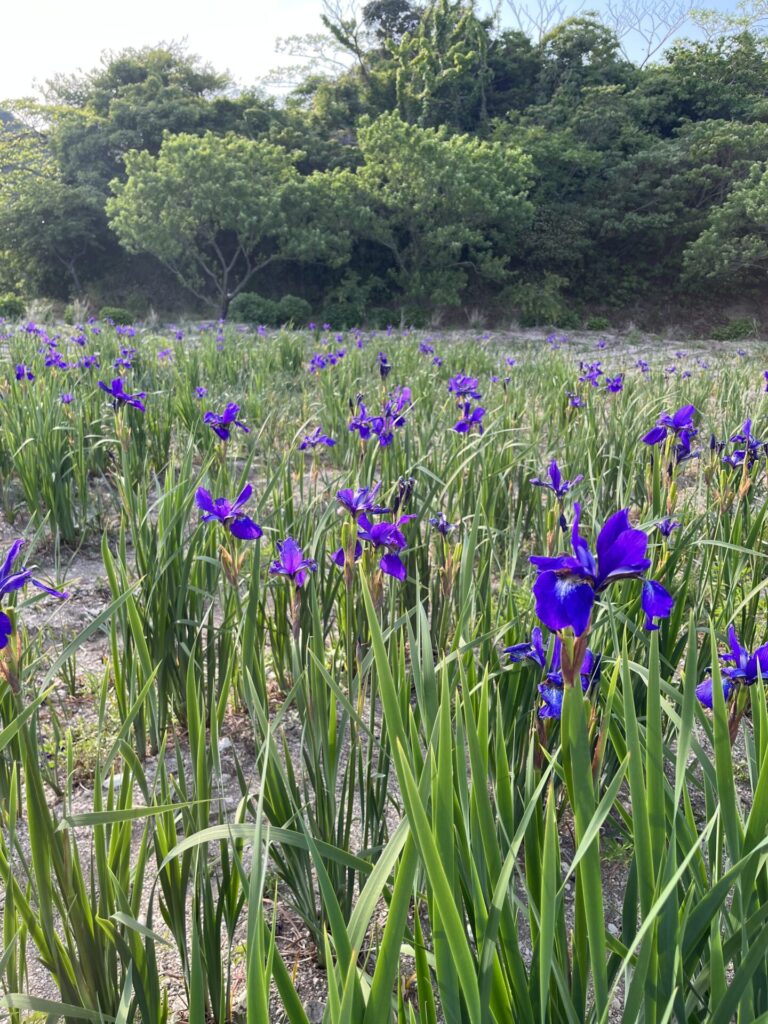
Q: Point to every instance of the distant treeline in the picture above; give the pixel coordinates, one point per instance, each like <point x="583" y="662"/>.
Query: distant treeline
<point x="447" y="165"/>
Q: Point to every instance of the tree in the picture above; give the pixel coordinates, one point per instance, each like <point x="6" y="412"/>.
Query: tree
<point x="52" y="231"/>
<point x="443" y="207"/>
<point x="211" y="208"/>
<point x="442" y="71"/>
<point x="734" y="246"/>
<point x="391" y="19"/>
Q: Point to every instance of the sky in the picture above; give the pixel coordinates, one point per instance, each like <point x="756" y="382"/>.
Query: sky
<point x="66" y="35"/>
<point x="239" y="36"/>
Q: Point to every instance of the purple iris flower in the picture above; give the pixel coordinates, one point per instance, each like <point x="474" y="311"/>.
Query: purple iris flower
<point x="556" y="484"/>
<point x="314" y="439"/>
<point x="429" y="350"/>
<point x="750" y="449"/>
<point x="464" y="387"/>
<point x="291" y="562"/>
<point x="680" y="424"/>
<point x="441" y="524"/>
<point x="381" y="535"/>
<point x="11" y="580"/>
<point x="24" y="373"/>
<point x="643" y="366"/>
<point x="533" y="650"/>
<point x="221" y="424"/>
<point x="765" y="375"/>
<point x="121" y="397"/>
<point x="615" y="384"/>
<point x="568" y="585"/>
<point x="383" y="427"/>
<point x="360" y="501"/>
<point x="591" y="373"/>
<point x="744" y="669"/>
<point x="229" y="513"/>
<point x="362" y="422"/>
<point x="666" y="526"/>
<point x="66" y="398"/>
<point x="574" y="400"/>
<point x="56" y="360"/>
<point x="201" y="392"/>
<point x="471" y="418"/>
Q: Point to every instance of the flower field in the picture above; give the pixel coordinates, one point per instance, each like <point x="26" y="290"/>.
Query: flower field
<point x="367" y="677"/>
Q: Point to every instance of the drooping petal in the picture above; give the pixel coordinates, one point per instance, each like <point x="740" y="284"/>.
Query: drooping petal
<point x="244" y="528"/>
<point x="657" y="602"/>
<point x="706" y="694"/>
<point x="655" y="436"/>
<point x="6" y="628"/>
<point x="553" y="701"/>
<point x="563" y="601"/>
<point x="519" y="652"/>
<point x="393" y="565"/>
<point x="15" y="581"/>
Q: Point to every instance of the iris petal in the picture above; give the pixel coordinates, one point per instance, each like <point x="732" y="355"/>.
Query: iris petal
<point x="563" y="601"/>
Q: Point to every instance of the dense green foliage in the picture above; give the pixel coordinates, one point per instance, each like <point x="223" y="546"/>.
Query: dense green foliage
<point x="454" y="165"/>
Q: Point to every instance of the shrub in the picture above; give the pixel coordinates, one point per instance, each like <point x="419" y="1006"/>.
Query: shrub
<point x="293" y="309"/>
<point x="343" y="315"/>
<point x="597" y="323"/>
<point x="735" y="330"/>
<point x="567" y="320"/>
<point x="11" y="307"/>
<point x="118" y="315"/>
<point x="540" y="302"/>
<point x="252" y="308"/>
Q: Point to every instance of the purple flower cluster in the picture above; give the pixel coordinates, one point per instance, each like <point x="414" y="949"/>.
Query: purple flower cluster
<point x="383" y="427"/>
<point x="740" y="667"/>
<point x="551" y="691"/>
